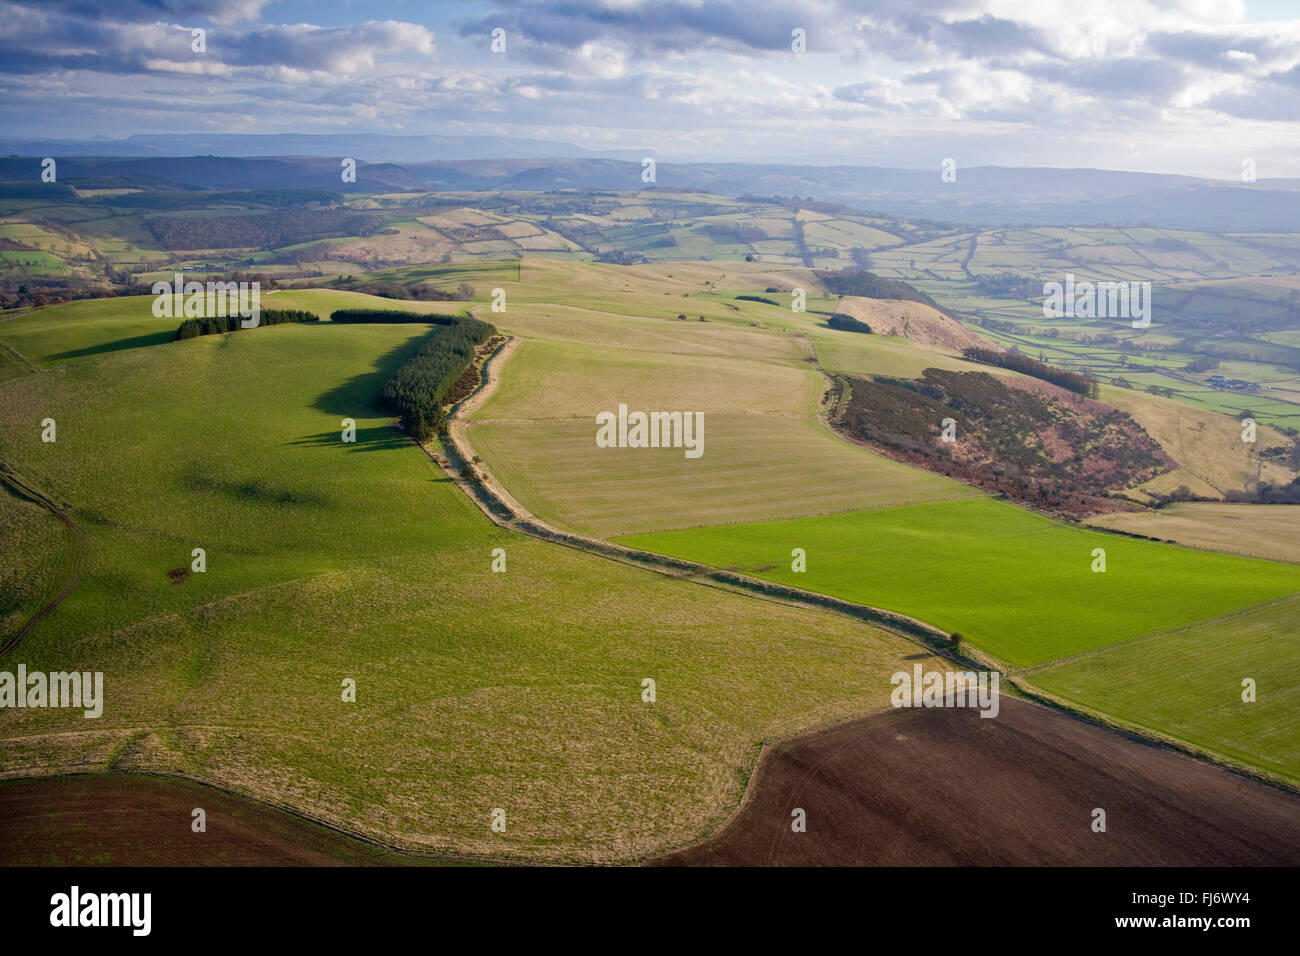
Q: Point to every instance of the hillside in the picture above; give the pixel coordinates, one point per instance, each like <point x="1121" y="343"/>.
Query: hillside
<point x="1031" y="441"/>
<point x="914" y="321"/>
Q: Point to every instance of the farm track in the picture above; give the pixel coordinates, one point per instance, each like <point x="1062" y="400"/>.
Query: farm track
<point x="79" y="557"/>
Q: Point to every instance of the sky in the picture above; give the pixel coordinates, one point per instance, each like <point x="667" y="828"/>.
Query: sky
<point x="1174" y="86"/>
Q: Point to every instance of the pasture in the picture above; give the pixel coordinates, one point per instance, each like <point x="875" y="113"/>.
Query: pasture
<point x="1012" y="582"/>
<point x="766" y="455"/>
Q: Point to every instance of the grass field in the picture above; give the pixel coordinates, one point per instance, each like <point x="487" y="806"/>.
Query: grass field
<point x="753" y="467"/>
<point x="1012" y="582"/>
<point x="550" y="380"/>
<point x="327" y="561"/>
<point x="765" y="453"/>
<point x="1261" y="531"/>
<point x="1189" y="684"/>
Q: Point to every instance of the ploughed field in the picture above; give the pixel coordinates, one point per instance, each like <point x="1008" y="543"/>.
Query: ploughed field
<point x="943" y="787"/>
<point x="135" y="820"/>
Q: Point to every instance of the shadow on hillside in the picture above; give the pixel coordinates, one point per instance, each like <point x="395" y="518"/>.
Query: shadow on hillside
<point x="359" y="395"/>
<point x="134" y="342"/>
<point x="375" y="438"/>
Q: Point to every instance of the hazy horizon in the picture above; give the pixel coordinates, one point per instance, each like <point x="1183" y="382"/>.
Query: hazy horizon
<point x="1191" y="87"/>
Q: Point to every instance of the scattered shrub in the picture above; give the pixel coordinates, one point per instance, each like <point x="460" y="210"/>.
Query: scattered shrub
<point x="847" y="323"/>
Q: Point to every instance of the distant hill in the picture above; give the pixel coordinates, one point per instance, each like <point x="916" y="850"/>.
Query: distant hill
<point x="980" y="195"/>
<point x="376" y="148"/>
<point x="216" y="172"/>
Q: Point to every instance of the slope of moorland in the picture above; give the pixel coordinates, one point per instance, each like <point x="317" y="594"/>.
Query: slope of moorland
<point x="1033" y="442"/>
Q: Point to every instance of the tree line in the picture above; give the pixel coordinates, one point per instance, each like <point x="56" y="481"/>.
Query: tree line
<point x="391" y="316"/>
<point x="221" y="324"/>
<point x="1072" y="381"/>
<point x="417" y="389"/>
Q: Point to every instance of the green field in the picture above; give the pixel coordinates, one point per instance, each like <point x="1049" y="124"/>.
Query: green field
<point x="328" y="561"/>
<point x="1188" y="683"/>
<point x="1017" y="584"/>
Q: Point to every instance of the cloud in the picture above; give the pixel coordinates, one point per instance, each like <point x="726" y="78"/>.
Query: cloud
<point x="43" y="43"/>
<point x="217" y="11"/>
<point x="717" y="75"/>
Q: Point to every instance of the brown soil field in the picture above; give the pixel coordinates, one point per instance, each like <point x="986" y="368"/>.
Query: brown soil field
<point x="946" y="787"/>
<point x="130" y="820"/>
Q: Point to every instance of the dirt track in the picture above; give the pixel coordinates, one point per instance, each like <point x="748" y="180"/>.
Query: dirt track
<point x="947" y="787"/>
